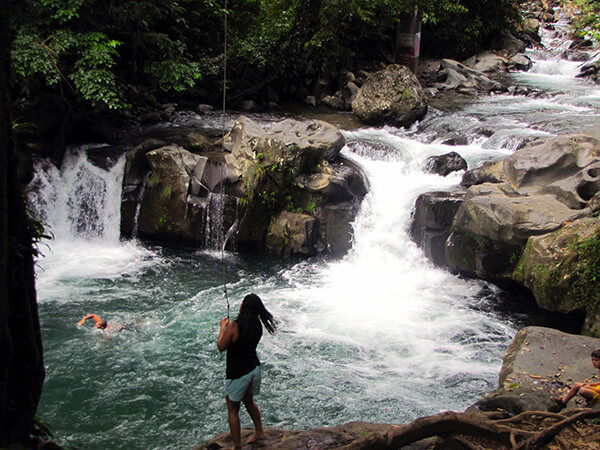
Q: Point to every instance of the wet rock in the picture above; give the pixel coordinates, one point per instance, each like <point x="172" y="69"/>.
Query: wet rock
<point x="293" y="234"/>
<point x="519" y="213"/>
<point x="520" y="62"/>
<point x="445" y="164"/>
<point x="457" y="140"/>
<point x="391" y="96"/>
<point x="294" y="186"/>
<point x="432" y="220"/>
<point x="204" y="109"/>
<point x="554" y="267"/>
<point x="487" y="62"/>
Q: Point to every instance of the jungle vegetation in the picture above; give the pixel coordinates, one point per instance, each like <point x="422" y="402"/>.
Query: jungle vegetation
<point x="118" y="53"/>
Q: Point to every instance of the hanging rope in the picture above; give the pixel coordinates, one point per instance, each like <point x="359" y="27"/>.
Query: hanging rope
<point x="224" y="67"/>
<point x="223" y="138"/>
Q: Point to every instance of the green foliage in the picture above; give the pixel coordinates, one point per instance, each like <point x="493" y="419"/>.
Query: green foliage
<point x="587" y="275"/>
<point x="102" y="53"/>
<point x="587" y="24"/>
<point x="93" y="51"/>
<point x="173" y="75"/>
<point x="37" y="229"/>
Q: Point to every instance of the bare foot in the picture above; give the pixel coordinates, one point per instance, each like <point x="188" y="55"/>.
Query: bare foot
<point x="256" y="437"/>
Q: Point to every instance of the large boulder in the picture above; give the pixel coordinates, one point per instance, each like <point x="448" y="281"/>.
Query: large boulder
<point x="527" y="219"/>
<point x="292" y="234"/>
<point x="445" y="164"/>
<point x="500" y="213"/>
<point x="164" y="204"/>
<point x="539" y="188"/>
<point x="392" y="96"/>
<point x="291" y="177"/>
<point x="134" y="179"/>
<point x="487" y="61"/>
<point x="562" y="271"/>
<point x="540" y="364"/>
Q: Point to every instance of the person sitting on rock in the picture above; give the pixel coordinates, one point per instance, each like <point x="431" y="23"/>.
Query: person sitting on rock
<point x="102" y="324"/>
<point x="589" y="391"/>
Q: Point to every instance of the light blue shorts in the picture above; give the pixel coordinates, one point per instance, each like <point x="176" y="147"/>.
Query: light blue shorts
<point x="246" y="384"/>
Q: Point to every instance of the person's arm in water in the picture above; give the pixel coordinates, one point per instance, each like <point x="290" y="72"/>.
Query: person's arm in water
<point x="97" y="319"/>
<point x="228" y="333"/>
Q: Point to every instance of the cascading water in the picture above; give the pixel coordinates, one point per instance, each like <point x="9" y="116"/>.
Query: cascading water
<point x="213" y="219"/>
<point x="81" y="200"/>
<point x="381" y="335"/>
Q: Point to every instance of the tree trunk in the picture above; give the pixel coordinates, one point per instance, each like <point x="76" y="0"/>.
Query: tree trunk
<point x="21" y="361"/>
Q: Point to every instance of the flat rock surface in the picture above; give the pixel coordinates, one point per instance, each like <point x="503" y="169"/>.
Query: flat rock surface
<point x="319" y="438"/>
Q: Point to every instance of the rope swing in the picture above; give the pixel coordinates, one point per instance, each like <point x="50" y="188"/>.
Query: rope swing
<point x="223" y="139"/>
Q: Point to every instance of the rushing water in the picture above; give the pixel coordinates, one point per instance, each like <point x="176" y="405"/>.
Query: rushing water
<point x="380" y="335"/>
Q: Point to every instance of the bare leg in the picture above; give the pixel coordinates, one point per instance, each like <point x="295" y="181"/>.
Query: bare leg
<point x="572" y="392"/>
<point x="233" y="414"/>
<point x="254" y="413"/>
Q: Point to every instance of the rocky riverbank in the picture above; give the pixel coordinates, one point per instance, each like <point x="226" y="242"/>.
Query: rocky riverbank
<point x="539" y="365"/>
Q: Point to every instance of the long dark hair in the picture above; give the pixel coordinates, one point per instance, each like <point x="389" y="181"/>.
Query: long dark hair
<point x="251" y="311"/>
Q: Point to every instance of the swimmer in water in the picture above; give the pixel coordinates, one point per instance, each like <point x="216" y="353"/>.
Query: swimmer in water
<point x="107" y="328"/>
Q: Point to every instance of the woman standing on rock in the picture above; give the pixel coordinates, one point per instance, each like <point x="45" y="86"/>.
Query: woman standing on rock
<point x="240" y="338"/>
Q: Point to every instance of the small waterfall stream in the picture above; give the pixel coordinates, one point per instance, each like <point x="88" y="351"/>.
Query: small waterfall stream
<point x="380" y="335"/>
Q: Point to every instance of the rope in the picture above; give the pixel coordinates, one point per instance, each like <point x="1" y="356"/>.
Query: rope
<point x="224" y="67"/>
<point x="223" y="131"/>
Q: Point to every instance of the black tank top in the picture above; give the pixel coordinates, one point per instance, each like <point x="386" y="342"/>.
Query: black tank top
<point x="241" y="356"/>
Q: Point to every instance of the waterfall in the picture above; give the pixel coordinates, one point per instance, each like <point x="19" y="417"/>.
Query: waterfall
<point x="217" y="230"/>
<point x="81" y="200"/>
<point x="213" y="221"/>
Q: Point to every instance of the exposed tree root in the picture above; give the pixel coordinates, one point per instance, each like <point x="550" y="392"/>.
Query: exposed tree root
<point x="526" y="431"/>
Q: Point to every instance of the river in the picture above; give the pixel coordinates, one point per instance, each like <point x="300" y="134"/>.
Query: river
<point x="379" y="335"/>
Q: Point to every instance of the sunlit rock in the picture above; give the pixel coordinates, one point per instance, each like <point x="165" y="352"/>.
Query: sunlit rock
<point x="540" y="364"/>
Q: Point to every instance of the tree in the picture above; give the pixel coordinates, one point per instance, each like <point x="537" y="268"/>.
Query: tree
<point x="21" y="356"/>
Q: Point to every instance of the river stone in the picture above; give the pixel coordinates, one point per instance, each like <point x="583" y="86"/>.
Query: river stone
<point x="559" y="157"/>
<point x="487" y="62"/>
<point x="445" y="164"/>
<point x="488" y="172"/>
<point x="456" y="76"/>
<point x="539" y="364"/>
<point x="551" y="267"/>
<point x="431" y="222"/>
<point x="391" y="96"/>
<point x="290" y="144"/>
<point x="520" y="62"/>
<point x="134" y="177"/>
<point x="292" y="234"/>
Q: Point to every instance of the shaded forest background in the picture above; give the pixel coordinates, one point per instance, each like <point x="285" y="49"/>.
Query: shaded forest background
<point x="122" y="54"/>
